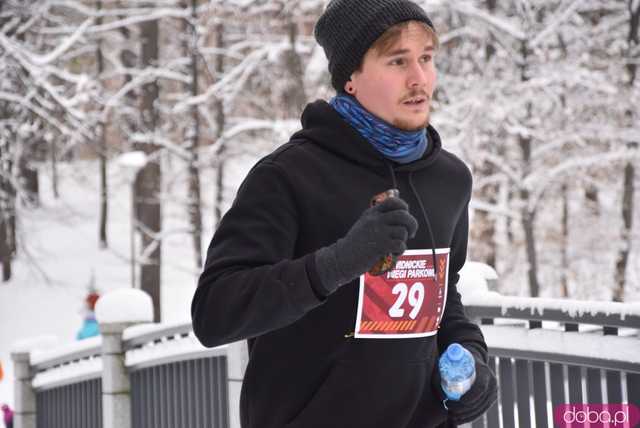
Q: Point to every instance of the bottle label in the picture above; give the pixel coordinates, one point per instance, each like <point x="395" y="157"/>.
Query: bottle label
<point x="407" y="301"/>
<point x="454" y="390"/>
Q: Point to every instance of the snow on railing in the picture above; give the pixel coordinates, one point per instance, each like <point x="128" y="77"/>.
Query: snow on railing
<point x="154" y="344"/>
<point x="594" y="334"/>
<point x="69" y="363"/>
<point x="623" y="314"/>
<point x="145" y="345"/>
<point x="549" y="352"/>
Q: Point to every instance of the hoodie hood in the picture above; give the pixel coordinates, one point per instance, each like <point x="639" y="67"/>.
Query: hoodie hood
<point x="322" y="125"/>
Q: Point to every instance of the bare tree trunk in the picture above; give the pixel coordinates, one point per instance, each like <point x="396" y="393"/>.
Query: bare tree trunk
<point x="29" y="178"/>
<point x="6" y="252"/>
<point x="294" y="96"/>
<point x="592" y="197"/>
<point x="128" y="59"/>
<point x="492" y="191"/>
<point x="192" y="132"/>
<point x="5" y="213"/>
<point x="564" y="191"/>
<point x="565" y="240"/>
<point x="629" y="170"/>
<point x="27" y="172"/>
<point x="483" y="229"/>
<point x="129" y="125"/>
<point x="8" y="191"/>
<point x="490" y="49"/>
<point x="54" y="169"/>
<point x="627" y="218"/>
<point x="102" y="149"/>
<point x="148" y="183"/>
<point x="11" y="211"/>
<point x="220" y="123"/>
<point x="484" y="225"/>
<point x="528" y="214"/>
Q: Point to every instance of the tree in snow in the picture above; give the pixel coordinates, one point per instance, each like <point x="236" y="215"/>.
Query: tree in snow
<point x="42" y="101"/>
<point x="523" y="117"/>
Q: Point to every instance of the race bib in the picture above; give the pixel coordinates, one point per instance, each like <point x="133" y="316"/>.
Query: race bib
<point x="407" y="301"/>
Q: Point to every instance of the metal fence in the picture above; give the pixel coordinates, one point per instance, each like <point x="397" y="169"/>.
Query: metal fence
<point x="174" y="381"/>
<point x="78" y="405"/>
<point x="547" y="353"/>
<point x="186" y="394"/>
<point x="543" y="354"/>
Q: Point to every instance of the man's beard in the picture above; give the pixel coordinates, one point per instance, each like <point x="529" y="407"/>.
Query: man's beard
<point x="409" y="126"/>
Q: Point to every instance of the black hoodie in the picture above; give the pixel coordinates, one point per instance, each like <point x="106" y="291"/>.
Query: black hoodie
<point x="260" y="283"/>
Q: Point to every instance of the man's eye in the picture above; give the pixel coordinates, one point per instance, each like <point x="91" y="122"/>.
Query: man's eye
<point x="398" y="61"/>
<point x="426" y="58"/>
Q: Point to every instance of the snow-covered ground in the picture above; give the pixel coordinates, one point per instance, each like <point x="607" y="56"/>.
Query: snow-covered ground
<point x="60" y="249"/>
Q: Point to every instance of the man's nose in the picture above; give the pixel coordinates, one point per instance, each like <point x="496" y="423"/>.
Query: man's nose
<point x="417" y="75"/>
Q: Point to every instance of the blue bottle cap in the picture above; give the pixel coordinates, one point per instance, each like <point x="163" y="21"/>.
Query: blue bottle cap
<point x="455" y="352"/>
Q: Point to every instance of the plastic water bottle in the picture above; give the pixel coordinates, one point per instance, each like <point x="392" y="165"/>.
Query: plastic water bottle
<point x="457" y="371"/>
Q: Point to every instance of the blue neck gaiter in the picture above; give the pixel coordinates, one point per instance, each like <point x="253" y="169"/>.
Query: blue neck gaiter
<point x="396" y="144"/>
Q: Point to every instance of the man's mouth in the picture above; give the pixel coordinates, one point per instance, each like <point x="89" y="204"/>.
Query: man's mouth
<point x="416" y="101"/>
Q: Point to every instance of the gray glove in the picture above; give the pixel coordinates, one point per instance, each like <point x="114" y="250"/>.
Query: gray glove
<point x="382" y="229"/>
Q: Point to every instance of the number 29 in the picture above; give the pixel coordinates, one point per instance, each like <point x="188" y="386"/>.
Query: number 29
<point x="415" y="296"/>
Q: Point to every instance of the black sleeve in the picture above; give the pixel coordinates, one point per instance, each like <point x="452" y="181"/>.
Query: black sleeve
<point x="251" y="284"/>
<point x="455" y="326"/>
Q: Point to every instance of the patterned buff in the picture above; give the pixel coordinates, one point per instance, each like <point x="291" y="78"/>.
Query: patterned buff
<point x="395" y="144"/>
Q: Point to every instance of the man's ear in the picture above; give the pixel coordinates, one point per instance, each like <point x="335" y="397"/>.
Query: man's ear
<point x="349" y="87"/>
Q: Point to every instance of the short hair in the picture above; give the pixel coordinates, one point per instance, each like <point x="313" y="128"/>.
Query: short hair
<point x="384" y="43"/>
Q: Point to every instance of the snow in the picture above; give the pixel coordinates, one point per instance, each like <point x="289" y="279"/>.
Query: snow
<point x="34" y="343"/>
<point x="134" y="160"/>
<point x="41" y="356"/>
<point x="474" y="277"/>
<point x="58" y="241"/>
<point x="53" y="268"/>
<point x="144" y="329"/>
<point x="503" y="25"/>
<point x="588" y="345"/>
<point x="69" y="373"/>
<point x="539" y="305"/>
<point x="61" y="48"/>
<point x="123" y="306"/>
<point x="317" y="68"/>
<point x="168" y="350"/>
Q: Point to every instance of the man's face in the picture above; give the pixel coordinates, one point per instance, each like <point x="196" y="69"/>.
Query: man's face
<point x="397" y="85"/>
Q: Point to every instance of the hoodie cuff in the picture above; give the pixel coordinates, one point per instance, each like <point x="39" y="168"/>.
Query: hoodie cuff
<point x="314" y="278"/>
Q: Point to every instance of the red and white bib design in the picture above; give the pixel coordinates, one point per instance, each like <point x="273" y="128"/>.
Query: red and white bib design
<point x="406" y="301"/>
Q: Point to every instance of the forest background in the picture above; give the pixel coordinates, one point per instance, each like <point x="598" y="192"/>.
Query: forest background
<point x="539" y="97"/>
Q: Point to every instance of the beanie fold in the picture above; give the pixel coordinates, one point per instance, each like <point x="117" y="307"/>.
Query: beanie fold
<point x="348" y="28"/>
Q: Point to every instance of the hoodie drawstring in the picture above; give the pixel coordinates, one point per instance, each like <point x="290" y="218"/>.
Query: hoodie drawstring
<point x="393" y="174"/>
<point x="426" y="220"/>
<point x="424" y="213"/>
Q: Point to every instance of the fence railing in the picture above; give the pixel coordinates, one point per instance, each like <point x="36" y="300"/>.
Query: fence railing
<point x="545" y="352"/>
<point x="548" y="352"/>
<point x="174" y="382"/>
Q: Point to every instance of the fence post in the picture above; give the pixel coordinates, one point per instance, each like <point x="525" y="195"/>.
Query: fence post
<point x="116" y="388"/>
<point x="116" y="311"/>
<point x="237" y="359"/>
<point x="25" y="395"/>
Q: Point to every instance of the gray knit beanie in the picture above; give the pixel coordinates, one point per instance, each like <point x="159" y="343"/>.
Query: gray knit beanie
<point x="347" y="29"/>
